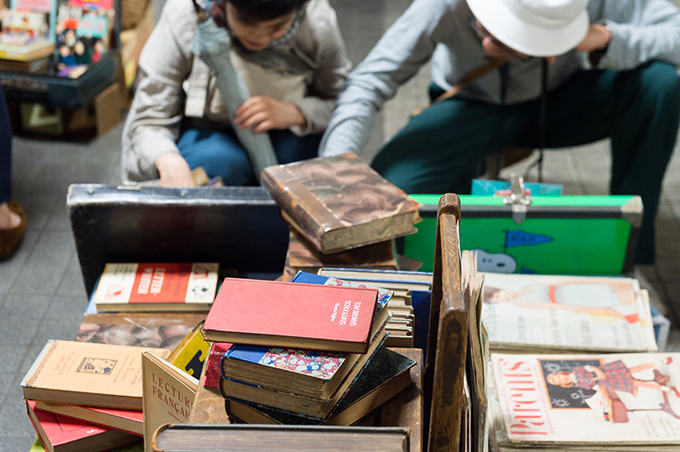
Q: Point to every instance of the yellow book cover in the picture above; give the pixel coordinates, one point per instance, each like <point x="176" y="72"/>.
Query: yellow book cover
<point x="87" y="374"/>
<point x="190" y="354"/>
<point x="168" y="395"/>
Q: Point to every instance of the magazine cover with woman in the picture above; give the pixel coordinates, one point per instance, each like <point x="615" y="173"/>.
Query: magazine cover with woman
<point x="567" y="312"/>
<point x="621" y="398"/>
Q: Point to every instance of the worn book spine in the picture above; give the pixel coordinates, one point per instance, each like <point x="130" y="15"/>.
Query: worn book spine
<point x="168" y="394"/>
<point x="302" y="255"/>
<point x="309" y="215"/>
<point x="196" y="437"/>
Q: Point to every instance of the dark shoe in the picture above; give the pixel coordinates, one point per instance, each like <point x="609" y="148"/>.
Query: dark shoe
<point x="661" y="379"/>
<point x="11" y="238"/>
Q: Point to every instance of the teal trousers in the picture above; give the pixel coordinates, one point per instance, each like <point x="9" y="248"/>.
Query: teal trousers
<point x="442" y="149"/>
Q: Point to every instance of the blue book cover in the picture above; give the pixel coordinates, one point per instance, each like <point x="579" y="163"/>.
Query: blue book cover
<point x="91" y="306"/>
<point x="384" y="295"/>
<point x="420" y="300"/>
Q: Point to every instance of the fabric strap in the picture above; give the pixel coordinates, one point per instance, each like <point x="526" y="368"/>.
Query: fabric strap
<point x="468" y="78"/>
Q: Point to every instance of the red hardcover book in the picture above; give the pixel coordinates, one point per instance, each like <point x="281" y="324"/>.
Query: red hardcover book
<point x="131" y="421"/>
<point x="157" y="287"/>
<point x="63" y="434"/>
<point x="213" y="372"/>
<point x="280" y="314"/>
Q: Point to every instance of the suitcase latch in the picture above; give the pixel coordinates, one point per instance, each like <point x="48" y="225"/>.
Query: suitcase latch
<point x="519" y="198"/>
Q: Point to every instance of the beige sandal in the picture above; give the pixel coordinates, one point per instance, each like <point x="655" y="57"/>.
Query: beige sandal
<point x="11" y="238"/>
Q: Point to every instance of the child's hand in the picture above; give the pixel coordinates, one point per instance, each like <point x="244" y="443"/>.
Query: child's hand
<point x="174" y="171"/>
<point x="263" y="113"/>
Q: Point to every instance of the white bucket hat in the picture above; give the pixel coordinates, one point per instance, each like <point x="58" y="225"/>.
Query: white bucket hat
<point x="534" y="27"/>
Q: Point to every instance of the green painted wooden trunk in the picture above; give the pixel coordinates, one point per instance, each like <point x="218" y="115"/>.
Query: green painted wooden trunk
<point x="592" y="235"/>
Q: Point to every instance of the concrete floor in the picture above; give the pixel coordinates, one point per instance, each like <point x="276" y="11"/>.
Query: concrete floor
<point x="41" y="290"/>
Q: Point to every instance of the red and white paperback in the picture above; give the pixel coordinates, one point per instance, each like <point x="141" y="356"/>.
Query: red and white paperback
<point x="157" y="287"/>
<point x="617" y="399"/>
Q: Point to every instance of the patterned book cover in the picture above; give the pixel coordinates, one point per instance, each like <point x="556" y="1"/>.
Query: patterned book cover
<point x="340" y="202"/>
<point x="320" y="365"/>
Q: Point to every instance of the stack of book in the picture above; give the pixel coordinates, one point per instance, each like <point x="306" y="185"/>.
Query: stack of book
<point x="411" y="296"/>
<point x="300" y="349"/>
<point x="83" y="396"/>
<point x="148" y="312"/>
<point x="25" y="41"/>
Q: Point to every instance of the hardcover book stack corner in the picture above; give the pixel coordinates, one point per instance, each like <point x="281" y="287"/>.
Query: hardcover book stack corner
<point x="303" y="354"/>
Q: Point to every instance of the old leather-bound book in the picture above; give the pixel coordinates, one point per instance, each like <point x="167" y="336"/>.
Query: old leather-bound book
<point x="303" y="256"/>
<point x="340" y="202"/>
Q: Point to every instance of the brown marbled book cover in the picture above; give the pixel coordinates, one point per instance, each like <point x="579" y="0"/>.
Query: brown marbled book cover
<point x="340" y="202"/>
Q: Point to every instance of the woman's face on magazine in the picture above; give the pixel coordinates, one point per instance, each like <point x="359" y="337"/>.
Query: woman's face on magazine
<point x="560" y="379"/>
<point x="500" y="296"/>
<point x="257" y="35"/>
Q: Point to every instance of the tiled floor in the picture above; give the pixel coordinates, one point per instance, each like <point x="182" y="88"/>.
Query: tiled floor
<point x="41" y="291"/>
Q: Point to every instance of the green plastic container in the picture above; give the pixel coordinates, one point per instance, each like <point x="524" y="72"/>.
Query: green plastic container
<point x="593" y="235"/>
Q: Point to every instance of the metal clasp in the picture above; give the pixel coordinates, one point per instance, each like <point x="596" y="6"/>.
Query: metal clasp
<point x="519" y="198"/>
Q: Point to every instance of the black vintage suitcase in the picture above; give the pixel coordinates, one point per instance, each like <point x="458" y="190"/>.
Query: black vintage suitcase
<point x="62" y="92"/>
<point x="239" y="227"/>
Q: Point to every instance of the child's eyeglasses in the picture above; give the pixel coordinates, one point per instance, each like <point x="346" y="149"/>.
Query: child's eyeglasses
<point x="482" y="33"/>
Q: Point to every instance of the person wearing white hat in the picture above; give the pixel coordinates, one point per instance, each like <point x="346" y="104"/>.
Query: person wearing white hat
<point x="569" y="72"/>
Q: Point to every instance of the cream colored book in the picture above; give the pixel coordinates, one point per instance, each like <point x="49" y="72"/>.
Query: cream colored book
<point x="168" y="395"/>
<point x="83" y="373"/>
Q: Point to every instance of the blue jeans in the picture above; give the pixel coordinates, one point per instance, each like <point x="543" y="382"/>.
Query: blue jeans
<point x="638" y="109"/>
<point x="221" y="154"/>
<point x="5" y="151"/>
